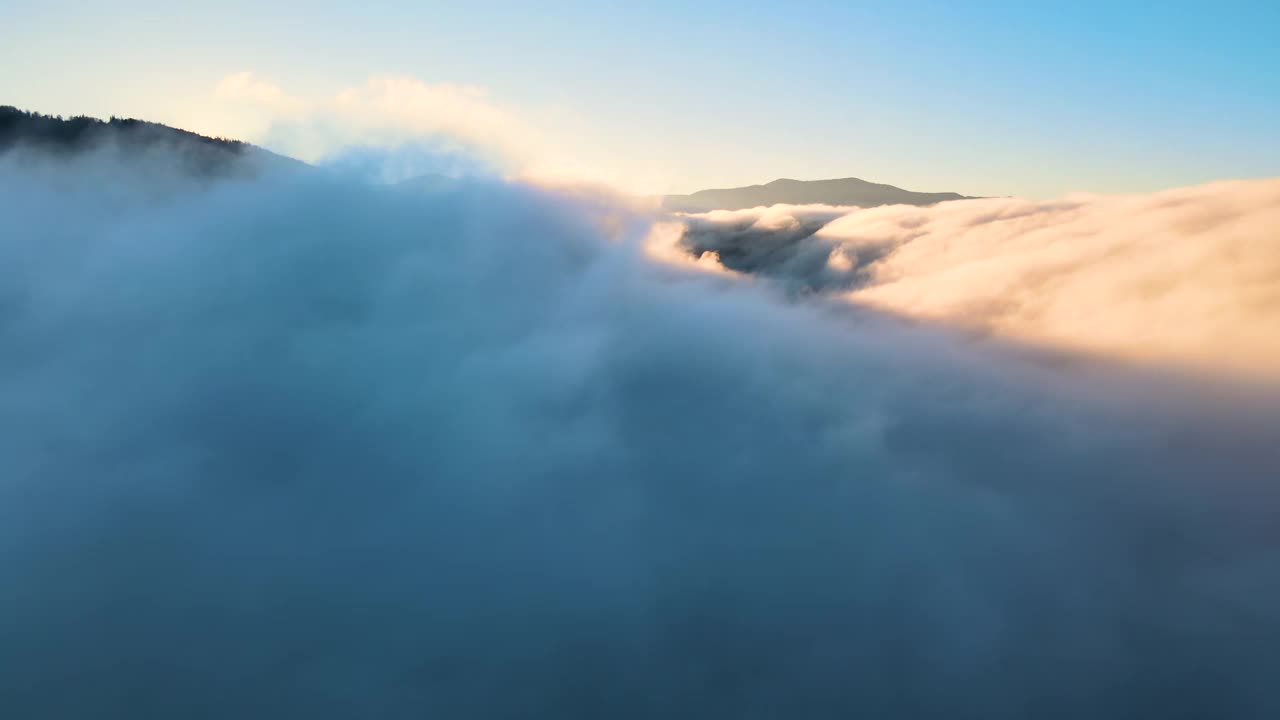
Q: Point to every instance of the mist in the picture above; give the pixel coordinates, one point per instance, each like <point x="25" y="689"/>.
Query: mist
<point x="301" y="445"/>
<point x="1187" y="277"/>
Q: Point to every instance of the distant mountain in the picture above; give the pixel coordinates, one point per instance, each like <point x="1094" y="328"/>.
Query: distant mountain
<point x="844" y="191"/>
<point x="197" y="154"/>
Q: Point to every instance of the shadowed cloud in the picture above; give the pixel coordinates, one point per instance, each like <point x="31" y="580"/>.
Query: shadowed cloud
<point x="303" y="446"/>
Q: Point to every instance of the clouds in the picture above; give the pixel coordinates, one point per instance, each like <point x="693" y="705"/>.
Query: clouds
<point x="774" y="242"/>
<point x="245" y="86"/>
<point x="304" y="446"/>
<point x="389" y="111"/>
<point x="459" y="129"/>
<point x="1184" y="276"/>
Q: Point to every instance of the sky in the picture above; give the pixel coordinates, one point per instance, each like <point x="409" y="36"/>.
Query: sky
<point x="1027" y="99"/>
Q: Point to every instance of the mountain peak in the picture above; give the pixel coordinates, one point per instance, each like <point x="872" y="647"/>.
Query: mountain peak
<point x="838" y="191"/>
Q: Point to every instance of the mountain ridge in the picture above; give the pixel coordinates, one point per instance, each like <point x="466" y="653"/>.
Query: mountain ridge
<point x="203" y="155"/>
<point x="200" y="155"/>
<point x="836" y="191"/>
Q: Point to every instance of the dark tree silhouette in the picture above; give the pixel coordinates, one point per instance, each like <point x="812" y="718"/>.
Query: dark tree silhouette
<point x="53" y="135"/>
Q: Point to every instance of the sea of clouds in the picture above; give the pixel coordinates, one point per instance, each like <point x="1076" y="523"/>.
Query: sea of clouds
<point x="1189" y="276"/>
<point x="308" y="446"/>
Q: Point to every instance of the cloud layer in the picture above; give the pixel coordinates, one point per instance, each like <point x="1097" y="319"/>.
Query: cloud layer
<point x="1184" y="276"/>
<point x="307" y="447"/>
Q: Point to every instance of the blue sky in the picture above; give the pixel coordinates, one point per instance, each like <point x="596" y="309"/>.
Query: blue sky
<point x="1034" y="99"/>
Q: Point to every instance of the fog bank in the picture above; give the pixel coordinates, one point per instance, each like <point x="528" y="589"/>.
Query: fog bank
<point x="302" y="446"/>
<point x="1188" y="276"/>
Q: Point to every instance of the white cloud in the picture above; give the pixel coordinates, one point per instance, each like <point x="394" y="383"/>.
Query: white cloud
<point x="247" y="87"/>
<point x="388" y="111"/>
<point x="414" y="107"/>
<point x="1188" y="276"/>
<point x="776" y="217"/>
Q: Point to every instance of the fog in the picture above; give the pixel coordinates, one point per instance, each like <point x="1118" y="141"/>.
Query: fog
<point x="1189" y="276"/>
<point x="304" y="446"/>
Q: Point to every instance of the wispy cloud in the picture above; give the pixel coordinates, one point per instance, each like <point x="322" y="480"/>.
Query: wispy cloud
<point x="247" y="87"/>
<point x="389" y="111"/>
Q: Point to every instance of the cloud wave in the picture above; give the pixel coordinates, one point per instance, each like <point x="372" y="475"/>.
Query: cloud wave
<point x="1185" y="276"/>
<point x="307" y="447"/>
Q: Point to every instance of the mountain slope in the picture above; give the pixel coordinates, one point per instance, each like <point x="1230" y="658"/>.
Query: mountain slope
<point x="843" y="191"/>
<point x="49" y="135"/>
